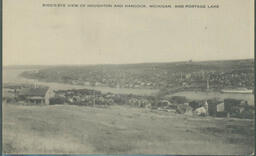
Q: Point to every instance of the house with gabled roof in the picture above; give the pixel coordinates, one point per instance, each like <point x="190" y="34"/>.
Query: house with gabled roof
<point x="37" y="95"/>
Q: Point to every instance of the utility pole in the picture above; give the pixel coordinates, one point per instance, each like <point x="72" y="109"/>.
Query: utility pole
<point x="207" y="83"/>
<point x="34" y="83"/>
<point x="93" y="98"/>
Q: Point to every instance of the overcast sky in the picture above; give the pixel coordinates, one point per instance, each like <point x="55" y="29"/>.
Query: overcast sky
<point x="37" y="35"/>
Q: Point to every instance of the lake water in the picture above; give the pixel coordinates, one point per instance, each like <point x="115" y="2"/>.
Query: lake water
<point x="12" y="75"/>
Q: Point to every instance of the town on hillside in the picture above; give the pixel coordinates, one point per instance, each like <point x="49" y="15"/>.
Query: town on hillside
<point x="222" y="77"/>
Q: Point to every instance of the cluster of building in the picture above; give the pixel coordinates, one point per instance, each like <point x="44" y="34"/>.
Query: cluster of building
<point x="86" y="97"/>
<point x="209" y="107"/>
<point x="214" y="80"/>
<point x="150" y="78"/>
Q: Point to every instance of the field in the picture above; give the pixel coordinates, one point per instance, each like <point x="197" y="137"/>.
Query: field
<point x="119" y="130"/>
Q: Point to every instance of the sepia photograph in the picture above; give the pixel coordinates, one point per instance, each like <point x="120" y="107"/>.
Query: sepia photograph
<point x="128" y="77"/>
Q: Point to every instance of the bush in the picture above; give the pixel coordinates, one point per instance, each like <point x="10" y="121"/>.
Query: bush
<point x="57" y="100"/>
<point x="178" y="99"/>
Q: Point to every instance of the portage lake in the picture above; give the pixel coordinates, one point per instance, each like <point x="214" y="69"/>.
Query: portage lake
<point x="13" y="76"/>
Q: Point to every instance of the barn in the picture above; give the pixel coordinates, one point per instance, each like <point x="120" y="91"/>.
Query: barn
<point x="39" y="95"/>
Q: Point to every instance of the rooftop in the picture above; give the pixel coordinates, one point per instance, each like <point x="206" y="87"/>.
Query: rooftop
<point x="41" y="91"/>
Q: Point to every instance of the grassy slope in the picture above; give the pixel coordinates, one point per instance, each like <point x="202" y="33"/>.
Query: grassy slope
<point x="74" y="129"/>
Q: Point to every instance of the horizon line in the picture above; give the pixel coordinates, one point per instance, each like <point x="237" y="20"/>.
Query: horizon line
<point x="127" y="63"/>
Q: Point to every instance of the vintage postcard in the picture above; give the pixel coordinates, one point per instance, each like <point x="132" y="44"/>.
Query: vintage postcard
<point x="128" y="77"/>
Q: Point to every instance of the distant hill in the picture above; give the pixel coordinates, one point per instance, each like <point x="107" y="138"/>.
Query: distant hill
<point x="221" y="74"/>
<point x="25" y="67"/>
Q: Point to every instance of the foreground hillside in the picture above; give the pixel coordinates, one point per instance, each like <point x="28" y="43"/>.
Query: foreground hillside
<point x="120" y="129"/>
